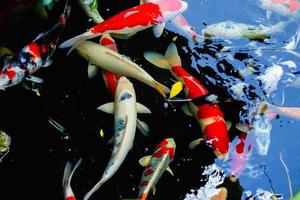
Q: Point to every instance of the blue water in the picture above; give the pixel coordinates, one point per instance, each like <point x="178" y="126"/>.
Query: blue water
<point x="285" y="131"/>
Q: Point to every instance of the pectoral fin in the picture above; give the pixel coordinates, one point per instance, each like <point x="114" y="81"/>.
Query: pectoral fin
<point x="108" y="108"/>
<point x="143" y="127"/>
<point x="34" y="79"/>
<point x="195" y="143"/>
<point x="228" y="124"/>
<point x="170" y="170"/>
<point x="243" y="127"/>
<point x="144" y="161"/>
<point x="92" y="70"/>
<point x="140" y="108"/>
<point x="48" y="63"/>
<point x="158" y="29"/>
<point x="185" y="108"/>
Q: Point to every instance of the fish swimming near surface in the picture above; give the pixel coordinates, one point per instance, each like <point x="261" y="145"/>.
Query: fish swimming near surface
<point x="289" y="8"/>
<point x="125" y="109"/>
<point x="114" y="62"/>
<point x="33" y="56"/>
<point x="66" y="183"/>
<point x="156" y="164"/>
<point x="232" y="30"/>
<point x="209" y="117"/>
<point x="133" y="20"/>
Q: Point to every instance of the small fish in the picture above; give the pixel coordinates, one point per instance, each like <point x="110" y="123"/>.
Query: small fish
<point x="114" y="62"/>
<point x="125" y="110"/>
<point x="209" y="117"/>
<point x="241" y="153"/>
<point x="176" y="89"/>
<point x="233" y="30"/>
<point x="33" y="56"/>
<point x="5" y="141"/>
<point x="66" y="183"/>
<point x="133" y="20"/>
<point x="293" y="5"/>
<point x="291" y="9"/>
<point x="156" y="165"/>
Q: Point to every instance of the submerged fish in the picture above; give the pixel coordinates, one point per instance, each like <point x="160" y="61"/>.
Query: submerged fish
<point x="156" y="165"/>
<point x="66" y="183"/>
<point x="114" y="62"/>
<point x="233" y="30"/>
<point x="133" y="20"/>
<point x="280" y="7"/>
<point x="33" y="56"/>
<point x="125" y="110"/>
<point x="209" y="117"/>
<point x="5" y="141"/>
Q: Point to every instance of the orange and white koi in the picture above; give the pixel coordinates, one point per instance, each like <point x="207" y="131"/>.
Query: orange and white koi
<point x="66" y="183"/>
<point x="133" y="20"/>
<point x="209" y="117"/>
<point x="156" y="164"/>
<point x="241" y="153"/>
<point x="33" y="56"/>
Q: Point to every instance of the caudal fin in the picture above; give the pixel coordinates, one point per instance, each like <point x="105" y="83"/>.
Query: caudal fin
<point x="75" y="41"/>
<point x="163" y="90"/>
<point x="66" y="183"/>
<point x="170" y="59"/>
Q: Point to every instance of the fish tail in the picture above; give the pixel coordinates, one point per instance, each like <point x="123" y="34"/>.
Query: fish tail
<point x="163" y="90"/>
<point x="68" y="174"/>
<point x="75" y="41"/>
<point x="170" y="59"/>
<point x="65" y="15"/>
<point x="94" y="189"/>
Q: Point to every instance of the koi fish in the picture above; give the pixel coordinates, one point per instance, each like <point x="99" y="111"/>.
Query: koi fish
<point x="33" y="56"/>
<point x="156" y="164"/>
<point x="209" y="117"/>
<point x="233" y="30"/>
<point x="133" y="20"/>
<point x="66" y="183"/>
<point x="106" y="40"/>
<point x="5" y="141"/>
<point x="241" y="154"/>
<point x="289" y="8"/>
<point x="114" y="62"/>
<point x="125" y="110"/>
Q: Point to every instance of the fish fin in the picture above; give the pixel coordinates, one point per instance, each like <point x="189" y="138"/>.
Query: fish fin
<point x="176" y="89"/>
<point x="48" y="63"/>
<point x="154" y="190"/>
<point x="67" y="177"/>
<point x="228" y="124"/>
<point x="111" y="140"/>
<point x="170" y="170"/>
<point x="170" y="59"/>
<point x="140" y="108"/>
<point x="92" y="70"/>
<point x="34" y="79"/>
<point x="293" y="112"/>
<point x="74" y="169"/>
<point x="123" y="36"/>
<point x="108" y="108"/>
<point x="75" y="41"/>
<point x="67" y="172"/>
<point x="144" y="161"/>
<point x="56" y="125"/>
<point x="185" y="108"/>
<point x="243" y="127"/>
<point x="159" y="29"/>
<point x="222" y="195"/>
<point x="143" y="127"/>
<point x="163" y="90"/>
<point x="195" y="143"/>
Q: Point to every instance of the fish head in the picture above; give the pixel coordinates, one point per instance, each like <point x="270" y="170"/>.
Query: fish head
<point x="124" y="89"/>
<point x="171" y="8"/>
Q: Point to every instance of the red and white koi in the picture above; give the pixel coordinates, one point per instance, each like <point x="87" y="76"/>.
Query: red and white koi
<point x="33" y="56"/>
<point x="66" y="183"/>
<point x="112" y="61"/>
<point x="241" y="153"/>
<point x="125" y="110"/>
<point x="133" y="20"/>
<point x="209" y="117"/>
<point x="156" y="164"/>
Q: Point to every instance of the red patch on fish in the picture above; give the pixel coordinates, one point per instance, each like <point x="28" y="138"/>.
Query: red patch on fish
<point x="148" y="172"/>
<point x="71" y="198"/>
<point x="217" y="133"/>
<point x="106" y="41"/>
<point x="44" y="48"/>
<point x="142" y="15"/>
<point x="144" y="183"/>
<point x="9" y="73"/>
<point x="111" y="80"/>
<point x="170" y="6"/>
<point x="171" y="153"/>
<point x="34" y="49"/>
<point x="161" y="144"/>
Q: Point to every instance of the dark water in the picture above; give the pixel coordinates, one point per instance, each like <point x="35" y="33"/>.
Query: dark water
<point x="33" y="169"/>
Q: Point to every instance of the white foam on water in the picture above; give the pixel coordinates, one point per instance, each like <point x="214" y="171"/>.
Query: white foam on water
<point x="215" y="178"/>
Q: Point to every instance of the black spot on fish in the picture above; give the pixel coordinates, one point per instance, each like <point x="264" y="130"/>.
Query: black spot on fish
<point x="120" y="125"/>
<point x="125" y="96"/>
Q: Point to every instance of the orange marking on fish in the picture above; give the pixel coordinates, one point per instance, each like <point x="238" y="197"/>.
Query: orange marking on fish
<point x="141" y="15"/>
<point x="71" y="198"/>
<point x="143" y="196"/>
